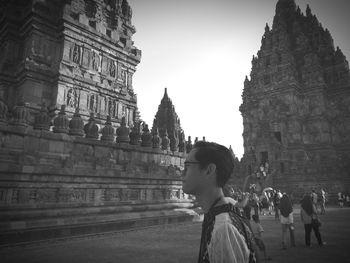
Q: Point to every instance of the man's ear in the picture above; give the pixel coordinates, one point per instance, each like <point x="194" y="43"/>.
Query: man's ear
<point x="211" y="169"/>
<point x="211" y="172"/>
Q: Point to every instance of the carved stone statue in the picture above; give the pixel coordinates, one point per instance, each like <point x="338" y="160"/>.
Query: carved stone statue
<point x="111" y="68"/>
<point x="72" y="98"/>
<point x="95" y="61"/>
<point x="76" y="54"/>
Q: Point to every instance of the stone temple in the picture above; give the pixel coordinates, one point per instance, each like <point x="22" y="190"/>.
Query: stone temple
<point x="74" y="53"/>
<point x="74" y="158"/>
<point x="295" y="109"/>
<point x="168" y="123"/>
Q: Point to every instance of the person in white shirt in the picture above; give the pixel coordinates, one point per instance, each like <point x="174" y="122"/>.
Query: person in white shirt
<point x="225" y="235"/>
<point x="340" y="199"/>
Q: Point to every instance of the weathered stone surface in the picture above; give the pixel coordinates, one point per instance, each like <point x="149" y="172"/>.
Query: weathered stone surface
<point x="96" y="70"/>
<point x="296" y="124"/>
<point x="84" y="63"/>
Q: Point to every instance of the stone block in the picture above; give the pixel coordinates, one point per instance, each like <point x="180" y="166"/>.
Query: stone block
<point x="100" y="28"/>
<point x="56" y="146"/>
<point x="18" y="225"/>
<point x="31" y="144"/>
<point x="144" y="157"/>
<point x="44" y="145"/>
<point x="14" y="141"/>
<point x="28" y="169"/>
<point x="115" y="36"/>
<point x="68" y="147"/>
<point x="135" y="156"/>
<point x="83" y="19"/>
<point x="101" y="151"/>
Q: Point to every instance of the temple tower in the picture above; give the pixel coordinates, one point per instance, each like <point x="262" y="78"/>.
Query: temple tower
<point x="295" y="108"/>
<point x="77" y="53"/>
<point x="166" y="118"/>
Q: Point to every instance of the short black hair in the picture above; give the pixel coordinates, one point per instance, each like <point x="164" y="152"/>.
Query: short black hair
<point x="211" y="152"/>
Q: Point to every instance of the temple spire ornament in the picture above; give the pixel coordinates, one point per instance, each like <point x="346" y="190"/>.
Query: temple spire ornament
<point x="91" y="128"/>
<point x="61" y="122"/>
<point x="123" y="132"/>
<point x="108" y="131"/>
<point x="42" y="119"/>
<point x="76" y="124"/>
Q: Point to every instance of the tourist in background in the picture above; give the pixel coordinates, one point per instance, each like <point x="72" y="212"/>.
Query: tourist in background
<point x="270" y="200"/>
<point x="323" y="201"/>
<point x="264" y="204"/>
<point x="309" y="217"/>
<point x="257" y="230"/>
<point x="248" y="208"/>
<point x="230" y="197"/>
<point x="287" y="220"/>
<point x="276" y="203"/>
<point x="226" y="236"/>
<point x="255" y="202"/>
<point x="347" y="199"/>
<point x="314" y="198"/>
<point x="341" y="199"/>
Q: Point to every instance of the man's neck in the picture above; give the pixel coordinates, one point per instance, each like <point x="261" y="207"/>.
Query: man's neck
<point x="207" y="199"/>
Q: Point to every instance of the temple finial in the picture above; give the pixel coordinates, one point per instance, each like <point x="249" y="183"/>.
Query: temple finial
<point x="267" y="28"/>
<point x="308" y="10"/>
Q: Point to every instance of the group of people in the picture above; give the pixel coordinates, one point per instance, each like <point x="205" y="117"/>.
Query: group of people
<point x="309" y="217"/>
<point x="228" y="233"/>
<point x="343" y="199"/>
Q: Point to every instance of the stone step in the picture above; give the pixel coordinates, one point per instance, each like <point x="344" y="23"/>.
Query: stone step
<point x="22" y="232"/>
<point x="20" y="214"/>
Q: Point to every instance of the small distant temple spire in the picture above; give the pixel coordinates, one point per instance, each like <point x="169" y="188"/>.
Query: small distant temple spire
<point x="166" y="118"/>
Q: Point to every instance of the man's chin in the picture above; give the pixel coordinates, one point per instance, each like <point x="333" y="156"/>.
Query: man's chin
<point x="188" y="191"/>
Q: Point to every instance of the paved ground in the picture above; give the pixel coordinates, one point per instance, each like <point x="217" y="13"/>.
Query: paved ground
<point x="179" y="243"/>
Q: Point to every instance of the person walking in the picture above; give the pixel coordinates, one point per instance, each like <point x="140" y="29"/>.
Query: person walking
<point x="287" y="220"/>
<point x="226" y="236"/>
<point x="314" y="198"/>
<point x="341" y="199"/>
<point x="311" y="222"/>
<point x="323" y="201"/>
<point x="276" y="203"/>
<point x="255" y="200"/>
<point x="257" y="230"/>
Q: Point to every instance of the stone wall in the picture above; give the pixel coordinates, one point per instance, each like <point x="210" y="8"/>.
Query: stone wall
<point x="53" y="180"/>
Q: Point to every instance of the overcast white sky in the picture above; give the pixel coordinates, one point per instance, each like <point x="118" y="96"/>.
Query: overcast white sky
<point x="201" y="50"/>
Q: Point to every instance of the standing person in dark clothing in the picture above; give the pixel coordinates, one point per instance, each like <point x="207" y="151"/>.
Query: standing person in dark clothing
<point x="248" y="208"/>
<point x="255" y="202"/>
<point x="323" y="201"/>
<point x="276" y="203"/>
<point x="309" y="217"/>
<point x="287" y="220"/>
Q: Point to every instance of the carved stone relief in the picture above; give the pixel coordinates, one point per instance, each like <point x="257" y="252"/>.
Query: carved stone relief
<point x="72" y="98"/>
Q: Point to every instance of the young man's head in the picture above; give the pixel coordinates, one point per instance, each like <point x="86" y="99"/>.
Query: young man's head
<point x="208" y="165"/>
